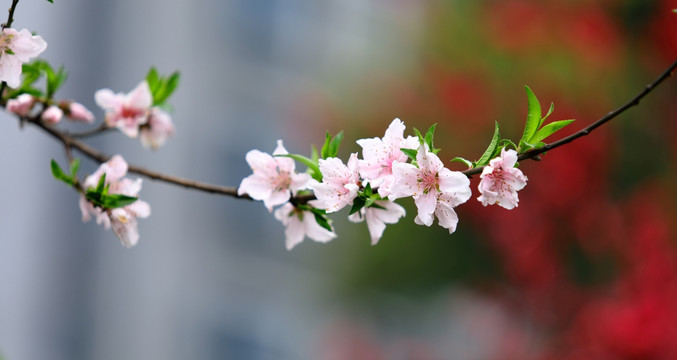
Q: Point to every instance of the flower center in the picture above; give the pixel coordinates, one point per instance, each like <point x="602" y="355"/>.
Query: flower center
<point x="429" y="181"/>
<point x="5" y="39"/>
<point x="283" y="181"/>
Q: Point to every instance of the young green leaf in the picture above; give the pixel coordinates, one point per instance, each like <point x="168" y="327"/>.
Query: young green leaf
<point x="116" y="201"/>
<point x="491" y="150"/>
<point x="411" y="153"/>
<point x="312" y="166"/>
<point x="325" y="148"/>
<point x="153" y="80"/>
<point x="550" y="129"/>
<point x="59" y="174"/>
<point x="100" y="187"/>
<point x="533" y="115"/>
<point x="421" y="139"/>
<point x="358" y="203"/>
<point x="335" y="143"/>
<point x="323" y="221"/>
<point x="552" y="108"/>
<point x="75" y="165"/>
<point x="429" y="137"/>
<point x="507" y="142"/>
<point x="313" y="154"/>
<point x="468" y="163"/>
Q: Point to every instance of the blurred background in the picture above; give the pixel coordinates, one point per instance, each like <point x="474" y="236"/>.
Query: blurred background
<point x="585" y="268"/>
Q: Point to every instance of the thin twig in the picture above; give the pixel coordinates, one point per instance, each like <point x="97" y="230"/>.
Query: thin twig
<point x="70" y="142"/>
<point x="10" y="17"/>
<point x="88" y="133"/>
<point x="533" y="154"/>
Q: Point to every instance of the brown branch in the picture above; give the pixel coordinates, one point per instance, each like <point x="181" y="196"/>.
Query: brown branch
<point x="10" y="17"/>
<point x="73" y="143"/>
<point x="88" y="133"/>
<point x="534" y="153"/>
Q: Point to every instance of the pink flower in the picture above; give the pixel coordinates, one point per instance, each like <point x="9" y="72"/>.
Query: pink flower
<point x="379" y="155"/>
<point x="52" y="115"/>
<point x="16" y="48"/>
<point x="378" y="218"/>
<point x="22" y="105"/>
<point x="339" y="184"/>
<point x="126" y="111"/>
<point x="122" y="220"/>
<point x="77" y="111"/>
<point x="299" y="224"/>
<point x="500" y="181"/>
<point x="436" y="190"/>
<point x="274" y="179"/>
<point x="158" y="129"/>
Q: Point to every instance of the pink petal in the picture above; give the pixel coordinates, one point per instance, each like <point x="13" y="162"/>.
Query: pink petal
<point x="26" y="45"/>
<point x="107" y="100"/>
<point x="406" y="182"/>
<point x="426" y="204"/>
<point x="140" y="98"/>
<point x="314" y="230"/>
<point x="446" y="216"/>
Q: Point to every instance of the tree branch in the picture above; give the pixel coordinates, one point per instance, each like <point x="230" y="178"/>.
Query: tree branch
<point x="533" y="153"/>
<point x="70" y="141"/>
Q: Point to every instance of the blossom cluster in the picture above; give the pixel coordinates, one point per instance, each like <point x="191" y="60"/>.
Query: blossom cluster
<point x="392" y="167"/>
<point x="121" y="219"/>
<point x="134" y="115"/>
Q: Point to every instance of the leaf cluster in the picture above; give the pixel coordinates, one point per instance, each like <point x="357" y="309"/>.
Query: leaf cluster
<point x="534" y="130"/>
<point x="329" y="149"/>
<point x="534" y="133"/>
<point x="427" y="139"/>
<point x="365" y="198"/>
<point x="161" y="87"/>
<point x="71" y="178"/>
<point x="32" y="72"/>
<point x="100" y="197"/>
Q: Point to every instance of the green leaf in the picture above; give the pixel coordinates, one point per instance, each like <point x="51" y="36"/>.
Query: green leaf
<point x="59" y="174"/>
<point x="533" y="115"/>
<point x="172" y="84"/>
<point x="358" y="203"/>
<point x="116" y="201"/>
<point x="375" y="205"/>
<point x="51" y="1"/>
<point x="421" y="139"/>
<point x="335" y="143"/>
<point x="552" y="108"/>
<point x="153" y="80"/>
<point x="549" y="129"/>
<point x="465" y="161"/>
<point x="507" y="142"/>
<point x="312" y="166"/>
<point x="75" y="165"/>
<point x="313" y="154"/>
<point x="525" y="146"/>
<point x="323" y="221"/>
<point x="100" y="187"/>
<point x="331" y="145"/>
<point x="491" y="150"/>
<point x="367" y="190"/>
<point x="411" y="153"/>
<point x="429" y="137"/>
<point x="325" y="148"/>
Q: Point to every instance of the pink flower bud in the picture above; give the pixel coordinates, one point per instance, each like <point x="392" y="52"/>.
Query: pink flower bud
<point x="52" y="115"/>
<point x="77" y="111"/>
<point x="22" y="105"/>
